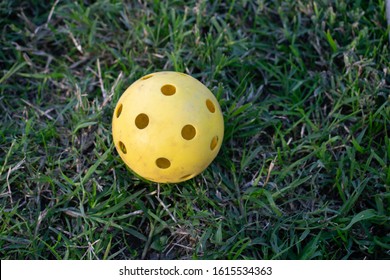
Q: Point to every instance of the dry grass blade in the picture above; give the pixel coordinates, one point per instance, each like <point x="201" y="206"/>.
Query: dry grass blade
<point x="10" y="170"/>
<point x="166" y="209"/>
<point x="101" y="80"/>
<point x="42" y="113"/>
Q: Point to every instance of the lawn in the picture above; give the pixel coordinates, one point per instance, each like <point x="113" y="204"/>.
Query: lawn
<point x="303" y="172"/>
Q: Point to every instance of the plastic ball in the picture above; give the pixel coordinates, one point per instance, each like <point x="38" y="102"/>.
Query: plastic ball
<point x="167" y="127"/>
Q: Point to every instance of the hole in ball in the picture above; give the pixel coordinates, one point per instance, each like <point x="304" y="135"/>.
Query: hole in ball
<point x="185" y="177"/>
<point x="122" y="147"/>
<point x="119" y="110"/>
<point x="141" y="121"/>
<point x="210" y="105"/>
<point x="168" y="90"/>
<point x="188" y="132"/>
<point x="163" y="163"/>
<point x="214" y="142"/>
<point x="146" y="77"/>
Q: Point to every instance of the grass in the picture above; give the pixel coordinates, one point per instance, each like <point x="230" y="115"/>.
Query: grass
<point x="303" y="172"/>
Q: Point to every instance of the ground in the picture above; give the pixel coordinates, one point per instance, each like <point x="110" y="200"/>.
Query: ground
<point x="303" y="172"/>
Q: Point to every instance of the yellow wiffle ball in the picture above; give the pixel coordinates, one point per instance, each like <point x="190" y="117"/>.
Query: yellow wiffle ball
<point x="167" y="127"/>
